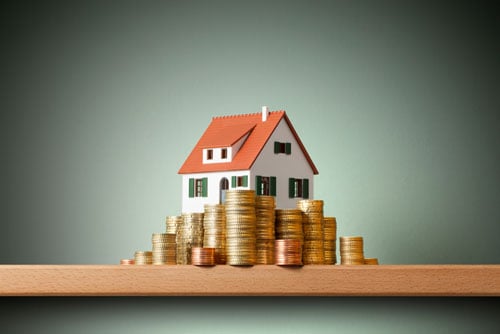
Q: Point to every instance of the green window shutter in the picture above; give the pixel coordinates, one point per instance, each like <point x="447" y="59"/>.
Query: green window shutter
<point x="272" y="190"/>
<point x="305" y="188"/>
<point x="245" y="181"/>
<point x="258" y="185"/>
<point x="204" y="187"/>
<point x="288" y="148"/>
<point x="291" y="187"/>
<point x="276" y="147"/>
<point x="191" y="188"/>
<point x="233" y="181"/>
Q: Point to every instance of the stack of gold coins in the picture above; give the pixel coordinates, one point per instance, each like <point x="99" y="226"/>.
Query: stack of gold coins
<point x="172" y="222"/>
<point x="264" y="209"/>
<point x="127" y="262"/>
<point x="240" y="227"/>
<point x="288" y="252"/>
<point x="189" y="234"/>
<point x="330" y="239"/>
<point x="351" y="250"/>
<point x="313" y="247"/>
<point x="289" y="224"/>
<point x="371" y="260"/>
<point x="203" y="256"/>
<point x="214" y="230"/>
<point x="143" y="257"/>
<point x="164" y="248"/>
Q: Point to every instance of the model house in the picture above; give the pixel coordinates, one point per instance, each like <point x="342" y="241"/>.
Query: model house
<point x="259" y="151"/>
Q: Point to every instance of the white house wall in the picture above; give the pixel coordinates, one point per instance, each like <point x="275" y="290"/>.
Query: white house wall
<point x="283" y="166"/>
<point x="196" y="204"/>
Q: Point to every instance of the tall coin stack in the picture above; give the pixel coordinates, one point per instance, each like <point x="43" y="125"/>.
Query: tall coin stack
<point x="172" y="222"/>
<point x="264" y="207"/>
<point x="330" y="239"/>
<point x="143" y="257"/>
<point x="189" y="234"/>
<point x="289" y="225"/>
<point x="240" y="227"/>
<point x="313" y="247"/>
<point x="351" y="250"/>
<point x="164" y="248"/>
<point x="214" y="231"/>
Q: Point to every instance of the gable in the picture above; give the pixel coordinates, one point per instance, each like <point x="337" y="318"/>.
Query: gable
<point x="227" y="130"/>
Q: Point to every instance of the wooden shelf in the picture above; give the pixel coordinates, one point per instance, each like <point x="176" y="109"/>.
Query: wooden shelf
<point x="382" y="280"/>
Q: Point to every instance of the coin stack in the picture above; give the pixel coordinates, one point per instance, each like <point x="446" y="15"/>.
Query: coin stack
<point x="214" y="230"/>
<point x="351" y="250"/>
<point x="289" y="224"/>
<point x="330" y="239"/>
<point x="313" y="247"/>
<point x="143" y="257"/>
<point x="240" y="227"/>
<point x="189" y="234"/>
<point x="172" y="222"/>
<point x="203" y="256"/>
<point x="288" y="252"/>
<point x="264" y="210"/>
<point x="164" y="248"/>
<point x="127" y="262"/>
<point x="371" y="260"/>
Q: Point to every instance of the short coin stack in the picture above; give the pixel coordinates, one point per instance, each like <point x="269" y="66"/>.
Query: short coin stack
<point x="240" y="227"/>
<point x="371" y="260"/>
<point x="351" y="250"/>
<point x="330" y="239"/>
<point x="264" y="206"/>
<point x="143" y="257"/>
<point x="288" y="252"/>
<point x="289" y="224"/>
<point x="164" y="248"/>
<point x="127" y="262"/>
<point x="203" y="256"/>
<point x="214" y="230"/>
<point x="189" y="234"/>
<point x="312" y="249"/>
<point x="172" y="222"/>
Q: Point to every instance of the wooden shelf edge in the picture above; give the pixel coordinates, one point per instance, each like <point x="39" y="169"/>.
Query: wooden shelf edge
<point x="263" y="280"/>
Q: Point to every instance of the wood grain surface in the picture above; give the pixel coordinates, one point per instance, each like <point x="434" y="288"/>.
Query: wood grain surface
<point x="263" y="280"/>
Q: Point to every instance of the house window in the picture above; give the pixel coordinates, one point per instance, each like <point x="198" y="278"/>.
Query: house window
<point x="280" y="147"/>
<point x="265" y="185"/>
<point x="223" y="153"/>
<point x="198" y="187"/>
<point x="298" y="188"/>
<point x="239" y="181"/>
<point x="210" y="154"/>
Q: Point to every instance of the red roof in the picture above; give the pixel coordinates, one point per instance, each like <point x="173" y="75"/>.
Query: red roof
<point x="225" y="131"/>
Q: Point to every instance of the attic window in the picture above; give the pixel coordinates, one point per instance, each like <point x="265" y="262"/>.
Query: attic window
<point x="210" y="154"/>
<point x="280" y="147"/>
<point x="223" y="153"/>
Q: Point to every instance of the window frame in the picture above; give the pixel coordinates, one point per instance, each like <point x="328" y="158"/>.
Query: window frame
<point x="210" y="154"/>
<point x="282" y="148"/>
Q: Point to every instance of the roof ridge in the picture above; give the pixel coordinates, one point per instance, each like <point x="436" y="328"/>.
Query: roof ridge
<point x="246" y="115"/>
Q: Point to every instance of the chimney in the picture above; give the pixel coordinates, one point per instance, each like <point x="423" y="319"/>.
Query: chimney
<point x="265" y="113"/>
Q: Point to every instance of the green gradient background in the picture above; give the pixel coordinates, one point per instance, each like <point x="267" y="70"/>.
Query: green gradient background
<point x="397" y="103"/>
